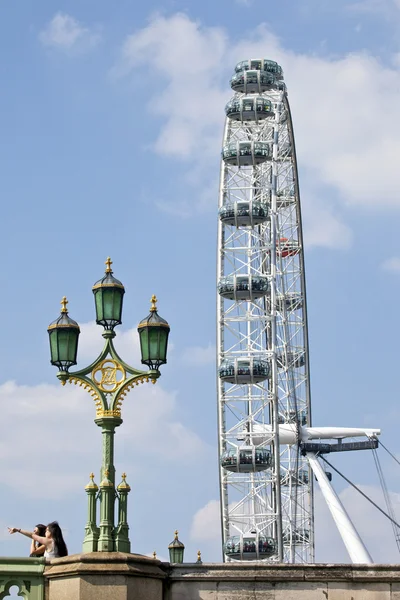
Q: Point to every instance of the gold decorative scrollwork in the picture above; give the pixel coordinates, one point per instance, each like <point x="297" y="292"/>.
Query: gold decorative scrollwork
<point x="89" y="388"/>
<point x="128" y="386"/>
<point x="108" y="375"/>
<point x="108" y="413"/>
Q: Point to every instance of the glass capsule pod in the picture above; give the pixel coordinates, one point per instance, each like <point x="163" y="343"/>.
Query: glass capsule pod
<point x="246" y="459"/>
<point x="246" y="153"/>
<point x="243" y="213"/>
<point x="297" y="536"/>
<point x="243" y="287"/>
<point x="294" y="478"/>
<point x="287" y="247"/>
<point x="244" y="370"/>
<point x="328" y="475"/>
<point x="289" y="302"/>
<point x="263" y="64"/>
<point x="248" y="108"/>
<point x="250" y="546"/>
<point x="253" y="81"/>
<point x="291" y="359"/>
<point x="291" y="416"/>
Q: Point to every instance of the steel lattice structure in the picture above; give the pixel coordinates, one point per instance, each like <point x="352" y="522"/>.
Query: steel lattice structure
<point x="263" y="369"/>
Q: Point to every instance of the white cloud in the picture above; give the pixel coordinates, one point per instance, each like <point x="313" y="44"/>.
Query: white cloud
<point x="341" y="152"/>
<point x="206" y="524"/>
<point x="391" y="264"/>
<point x="48" y="429"/>
<point x="199" y="356"/>
<point x="66" y="33"/>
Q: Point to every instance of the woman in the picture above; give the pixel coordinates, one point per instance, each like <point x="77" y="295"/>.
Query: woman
<point x="36" y="548"/>
<point x="53" y="540"/>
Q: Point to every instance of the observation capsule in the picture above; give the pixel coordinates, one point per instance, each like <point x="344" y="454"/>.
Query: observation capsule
<point x="248" y="108"/>
<point x="290" y="301"/>
<point x="246" y="459"/>
<point x="297" y="536"/>
<point x="250" y="546"/>
<point x="243" y="287"/>
<point x="328" y="474"/>
<point x="291" y="416"/>
<point x="244" y="370"/>
<point x="246" y="153"/>
<point x="291" y="359"/>
<point x="287" y="248"/>
<point x="244" y="213"/>
<point x="253" y="81"/>
<point x="294" y="478"/>
<point x="262" y="64"/>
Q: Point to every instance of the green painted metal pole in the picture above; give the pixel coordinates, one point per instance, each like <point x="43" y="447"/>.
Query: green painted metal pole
<point x="106" y="541"/>
<point x="108" y="425"/>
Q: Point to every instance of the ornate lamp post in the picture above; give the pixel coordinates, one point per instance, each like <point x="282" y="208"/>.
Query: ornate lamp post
<point x="108" y="379"/>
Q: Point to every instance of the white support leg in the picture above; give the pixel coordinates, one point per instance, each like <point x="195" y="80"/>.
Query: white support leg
<point x="354" y="545"/>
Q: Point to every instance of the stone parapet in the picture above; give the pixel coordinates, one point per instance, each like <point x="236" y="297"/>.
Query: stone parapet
<point x="120" y="576"/>
<point x="105" y="575"/>
<point x="258" y="581"/>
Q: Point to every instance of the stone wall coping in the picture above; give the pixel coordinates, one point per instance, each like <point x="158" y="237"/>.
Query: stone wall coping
<point x="106" y="563"/>
<point x="22" y="564"/>
<point x="285" y="572"/>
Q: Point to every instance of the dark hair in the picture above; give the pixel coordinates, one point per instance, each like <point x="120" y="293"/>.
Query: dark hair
<point x="41" y="529"/>
<point x="58" y="539"/>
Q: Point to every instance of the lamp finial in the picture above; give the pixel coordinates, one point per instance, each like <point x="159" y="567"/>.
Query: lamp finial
<point x="64" y="303"/>
<point x="153" y="301"/>
<point x="199" y="556"/>
<point x="176" y="534"/>
<point x="123" y="476"/>
<point x="108" y="265"/>
<point x="154" y="554"/>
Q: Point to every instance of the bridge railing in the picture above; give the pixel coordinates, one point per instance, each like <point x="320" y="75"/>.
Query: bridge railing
<point x="25" y="573"/>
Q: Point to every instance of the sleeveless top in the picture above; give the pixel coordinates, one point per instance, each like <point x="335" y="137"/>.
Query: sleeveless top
<point x="53" y="553"/>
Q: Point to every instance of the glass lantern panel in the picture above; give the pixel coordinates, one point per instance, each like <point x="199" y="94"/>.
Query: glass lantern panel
<point x="154" y="342"/>
<point x="99" y="304"/>
<point x="108" y="304"/>
<point x="144" y="343"/>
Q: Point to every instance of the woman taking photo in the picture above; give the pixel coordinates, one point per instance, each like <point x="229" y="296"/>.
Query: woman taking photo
<point x="52" y="540"/>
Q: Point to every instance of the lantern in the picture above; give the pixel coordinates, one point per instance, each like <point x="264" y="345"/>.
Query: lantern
<point x="176" y="550"/>
<point x="108" y="296"/>
<point x="153" y="333"/>
<point x="63" y="336"/>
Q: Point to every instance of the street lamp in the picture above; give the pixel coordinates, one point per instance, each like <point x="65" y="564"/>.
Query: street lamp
<point x="108" y="379"/>
<point x="176" y="550"/>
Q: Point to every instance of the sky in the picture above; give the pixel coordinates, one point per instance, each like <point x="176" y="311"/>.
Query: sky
<point x="111" y="121"/>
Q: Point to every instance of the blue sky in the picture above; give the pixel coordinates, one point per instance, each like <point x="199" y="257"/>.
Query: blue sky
<point x="111" y="119"/>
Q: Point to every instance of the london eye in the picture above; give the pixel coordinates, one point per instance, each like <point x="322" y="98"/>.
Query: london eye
<point x="264" y="408"/>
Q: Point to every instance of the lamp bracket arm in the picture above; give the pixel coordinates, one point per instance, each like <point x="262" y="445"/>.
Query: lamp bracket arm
<point x="103" y="354"/>
<point x="118" y="397"/>
<point x="114" y="354"/>
<point x="90" y="386"/>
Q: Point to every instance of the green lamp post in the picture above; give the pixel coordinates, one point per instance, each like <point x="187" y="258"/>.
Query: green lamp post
<point x="108" y="379"/>
<point x="176" y="550"/>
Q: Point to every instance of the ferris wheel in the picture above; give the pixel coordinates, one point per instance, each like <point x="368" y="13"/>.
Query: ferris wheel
<point x="264" y="406"/>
